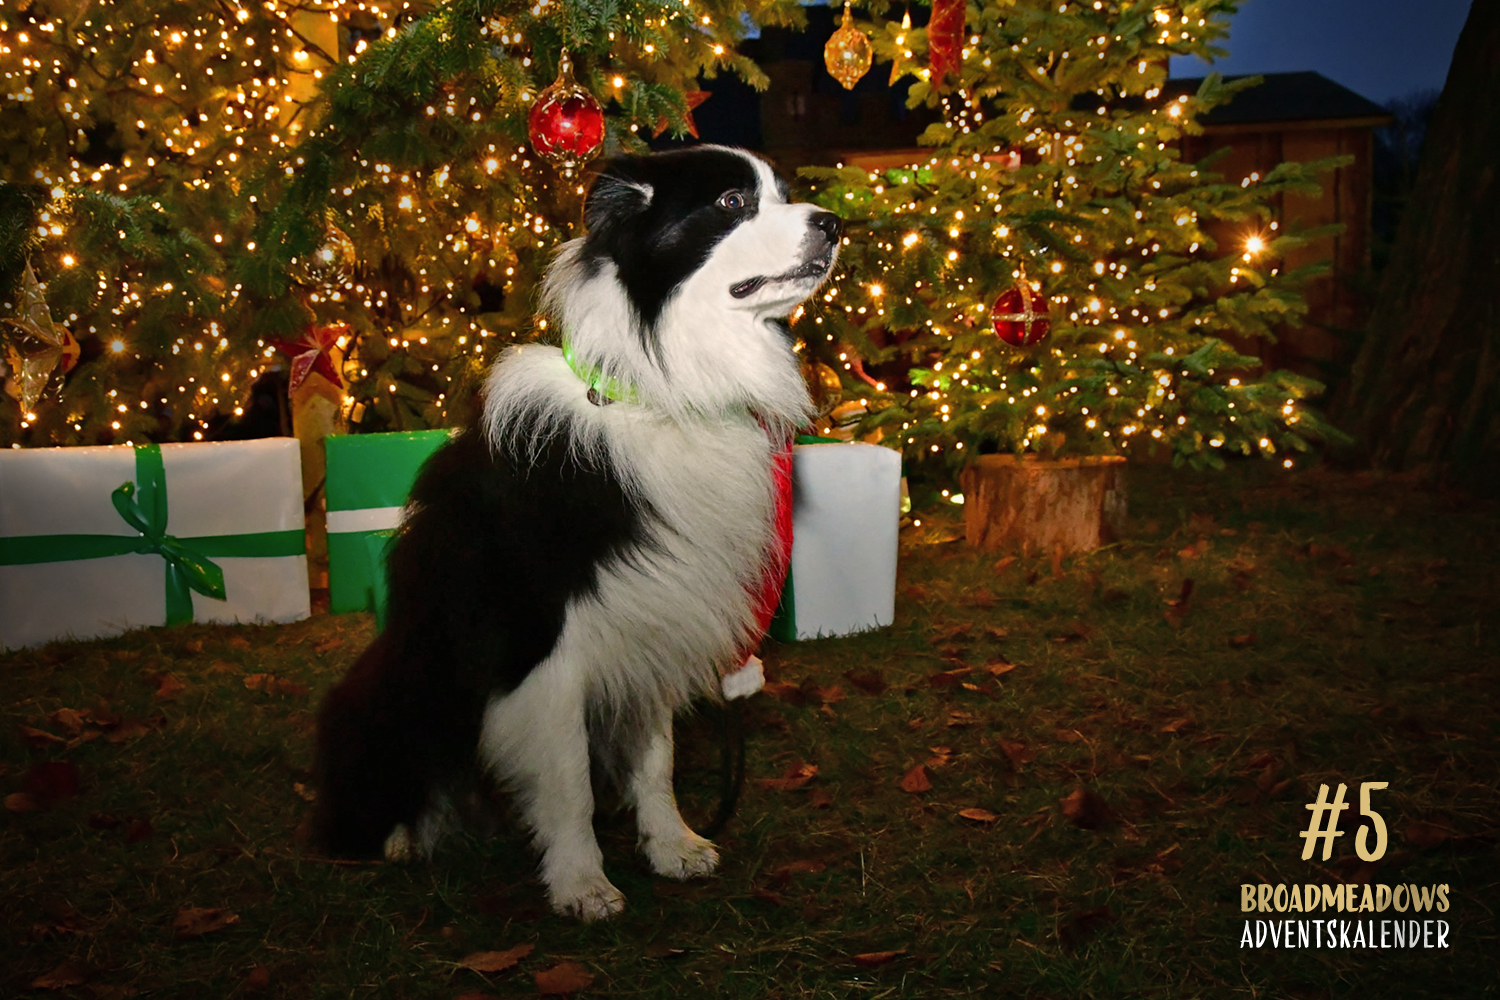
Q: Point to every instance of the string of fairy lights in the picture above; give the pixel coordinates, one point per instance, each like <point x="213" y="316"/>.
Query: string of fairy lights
<point x="192" y="100"/>
<point x="1093" y="209"/>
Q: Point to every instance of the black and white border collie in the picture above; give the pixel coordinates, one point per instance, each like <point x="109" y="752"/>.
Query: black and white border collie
<point x="586" y="558"/>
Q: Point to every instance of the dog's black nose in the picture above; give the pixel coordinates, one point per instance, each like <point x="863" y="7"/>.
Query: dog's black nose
<point x="830" y="224"/>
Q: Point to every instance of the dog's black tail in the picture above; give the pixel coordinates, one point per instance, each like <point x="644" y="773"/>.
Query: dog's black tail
<point x="389" y="738"/>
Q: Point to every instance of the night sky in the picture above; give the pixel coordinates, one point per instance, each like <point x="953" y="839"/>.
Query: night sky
<point x="1381" y="49"/>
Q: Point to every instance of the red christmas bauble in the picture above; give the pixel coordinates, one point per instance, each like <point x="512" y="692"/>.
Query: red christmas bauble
<point x="566" y="123"/>
<point x="1020" y="316"/>
<point x="945" y="38"/>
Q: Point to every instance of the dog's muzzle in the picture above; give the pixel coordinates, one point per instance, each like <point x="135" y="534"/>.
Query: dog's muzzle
<point x="824" y="242"/>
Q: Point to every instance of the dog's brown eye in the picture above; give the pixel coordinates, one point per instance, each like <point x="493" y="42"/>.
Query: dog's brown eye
<point x="732" y="200"/>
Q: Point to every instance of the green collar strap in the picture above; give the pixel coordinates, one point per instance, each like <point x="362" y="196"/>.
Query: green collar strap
<point x="602" y="389"/>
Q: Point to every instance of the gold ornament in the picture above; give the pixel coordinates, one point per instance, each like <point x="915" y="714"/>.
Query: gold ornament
<point x="848" y="53"/>
<point x="331" y="265"/>
<point x="40" y="347"/>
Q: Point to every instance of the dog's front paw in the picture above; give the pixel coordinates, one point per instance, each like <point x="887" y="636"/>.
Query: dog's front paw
<point x="401" y="847"/>
<point x="588" y="899"/>
<point x="688" y="856"/>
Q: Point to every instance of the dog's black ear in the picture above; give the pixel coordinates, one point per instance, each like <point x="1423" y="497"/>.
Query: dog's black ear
<point x="619" y="194"/>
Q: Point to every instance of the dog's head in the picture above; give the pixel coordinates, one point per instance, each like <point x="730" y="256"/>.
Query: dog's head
<point x="689" y="266"/>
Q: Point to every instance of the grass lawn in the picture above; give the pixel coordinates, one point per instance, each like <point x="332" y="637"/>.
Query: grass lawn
<point x="1126" y="763"/>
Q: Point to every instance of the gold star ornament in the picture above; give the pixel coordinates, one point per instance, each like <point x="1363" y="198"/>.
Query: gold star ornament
<point x="35" y="347"/>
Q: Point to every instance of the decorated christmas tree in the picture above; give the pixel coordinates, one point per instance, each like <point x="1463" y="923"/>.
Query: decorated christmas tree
<point x="194" y="193"/>
<point x="1051" y="278"/>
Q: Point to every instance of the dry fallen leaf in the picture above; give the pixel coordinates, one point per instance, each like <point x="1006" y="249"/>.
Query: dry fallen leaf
<point x="1084" y="808"/>
<point x="978" y="815"/>
<point x="805" y="866"/>
<point x="916" y="780"/>
<point x="328" y="645"/>
<point x="271" y="684"/>
<point x="870" y="683"/>
<point x="785" y="690"/>
<point x="940" y="756"/>
<point x="1177" y="609"/>
<point x="1000" y="667"/>
<point x="1177" y="726"/>
<point x="70" y="719"/>
<point x="948" y="678"/>
<point x="496" y="961"/>
<point x="1018" y="753"/>
<point x="38" y="737"/>
<point x="564" y="977"/>
<point x="1076" y="632"/>
<point x="826" y="695"/>
<point x="795" y="777"/>
<point x="20" y="802"/>
<point x="980" y="597"/>
<point x="1242" y="640"/>
<point x="193" y="921"/>
<point x="169" y="686"/>
<point x="240" y="642"/>
<point x="68" y="974"/>
<point x="871" y="959"/>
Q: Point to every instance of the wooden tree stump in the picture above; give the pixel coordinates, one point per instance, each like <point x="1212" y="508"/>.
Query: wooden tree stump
<point x="1038" y="505"/>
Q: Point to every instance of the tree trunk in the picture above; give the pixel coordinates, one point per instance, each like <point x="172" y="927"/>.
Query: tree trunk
<point x="1033" y="505"/>
<point x="1425" y="389"/>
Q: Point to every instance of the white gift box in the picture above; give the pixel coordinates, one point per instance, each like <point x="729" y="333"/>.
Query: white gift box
<point x="846" y="513"/>
<point x="82" y="555"/>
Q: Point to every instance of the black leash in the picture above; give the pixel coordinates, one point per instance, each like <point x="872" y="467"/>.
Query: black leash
<point x="731" y="765"/>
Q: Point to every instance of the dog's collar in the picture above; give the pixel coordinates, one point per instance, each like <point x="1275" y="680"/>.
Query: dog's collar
<point x="602" y="389"/>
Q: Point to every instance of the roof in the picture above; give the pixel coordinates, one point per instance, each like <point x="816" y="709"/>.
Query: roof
<point x="1286" y="97"/>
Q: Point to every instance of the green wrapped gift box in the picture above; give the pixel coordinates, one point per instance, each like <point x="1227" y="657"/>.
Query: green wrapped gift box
<point x="369" y="477"/>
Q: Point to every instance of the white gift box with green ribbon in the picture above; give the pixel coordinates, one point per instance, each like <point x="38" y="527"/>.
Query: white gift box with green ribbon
<point x="846" y="513"/>
<point x="95" y="541"/>
<point x="369" y="477"/>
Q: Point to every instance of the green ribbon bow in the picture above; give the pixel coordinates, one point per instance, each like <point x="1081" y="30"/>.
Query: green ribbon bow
<point x="143" y="506"/>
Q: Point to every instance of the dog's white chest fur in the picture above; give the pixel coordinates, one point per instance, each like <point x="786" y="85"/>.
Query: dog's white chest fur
<point x="665" y="620"/>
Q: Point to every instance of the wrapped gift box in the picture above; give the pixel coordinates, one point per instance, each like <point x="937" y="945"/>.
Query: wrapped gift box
<point x="369" y="476"/>
<point x="95" y="541"/>
<point x="846" y="513"/>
